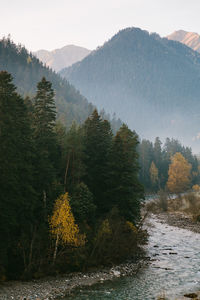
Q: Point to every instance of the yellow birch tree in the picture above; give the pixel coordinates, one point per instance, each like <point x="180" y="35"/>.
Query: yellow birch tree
<point x="179" y="174"/>
<point x="196" y="188"/>
<point x="62" y="225"/>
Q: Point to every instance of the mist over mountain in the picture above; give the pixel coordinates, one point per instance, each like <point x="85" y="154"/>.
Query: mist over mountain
<point x="27" y="71"/>
<point x="152" y="83"/>
<point x="63" y="57"/>
<point x="190" y="39"/>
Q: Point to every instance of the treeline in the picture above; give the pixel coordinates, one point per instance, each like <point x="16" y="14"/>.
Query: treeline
<point x="155" y="161"/>
<point x="49" y="176"/>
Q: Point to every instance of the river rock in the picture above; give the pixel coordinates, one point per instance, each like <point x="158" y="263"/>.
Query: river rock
<point x="116" y="273"/>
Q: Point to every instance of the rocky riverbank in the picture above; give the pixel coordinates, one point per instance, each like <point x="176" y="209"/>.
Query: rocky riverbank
<point x="179" y="219"/>
<point x="52" y="288"/>
<point x="57" y="287"/>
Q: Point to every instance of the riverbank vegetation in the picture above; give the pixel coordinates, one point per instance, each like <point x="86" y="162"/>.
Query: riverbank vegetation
<point x="69" y="199"/>
<point x="158" y="166"/>
<point x="182" y="211"/>
<point x="175" y="180"/>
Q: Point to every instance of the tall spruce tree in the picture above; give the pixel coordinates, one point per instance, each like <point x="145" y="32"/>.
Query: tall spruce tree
<point x="97" y="144"/>
<point x="74" y="166"/>
<point x="125" y="192"/>
<point x="146" y="156"/>
<point x="46" y="143"/>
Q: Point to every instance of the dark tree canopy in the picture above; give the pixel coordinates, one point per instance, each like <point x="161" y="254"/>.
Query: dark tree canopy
<point x="39" y="162"/>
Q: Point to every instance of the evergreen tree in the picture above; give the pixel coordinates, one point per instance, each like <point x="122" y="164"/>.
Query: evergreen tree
<point x="82" y="204"/>
<point x="146" y="156"/>
<point x="46" y="143"/>
<point x="125" y="190"/>
<point x="157" y="148"/>
<point x="74" y="167"/>
<point x="97" y="144"/>
<point x="45" y="109"/>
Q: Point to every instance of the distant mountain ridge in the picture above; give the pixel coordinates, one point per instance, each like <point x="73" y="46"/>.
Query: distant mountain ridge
<point x="27" y="71"/>
<point x="190" y="39"/>
<point x="152" y="83"/>
<point x="63" y="57"/>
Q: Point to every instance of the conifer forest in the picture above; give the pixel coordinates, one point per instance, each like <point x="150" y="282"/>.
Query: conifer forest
<point x="99" y="150"/>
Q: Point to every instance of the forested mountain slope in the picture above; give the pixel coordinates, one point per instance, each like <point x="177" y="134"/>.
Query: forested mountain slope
<point x="27" y="71"/>
<point x="152" y="83"/>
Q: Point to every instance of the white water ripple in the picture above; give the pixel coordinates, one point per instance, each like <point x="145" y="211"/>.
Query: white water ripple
<point x="174" y="269"/>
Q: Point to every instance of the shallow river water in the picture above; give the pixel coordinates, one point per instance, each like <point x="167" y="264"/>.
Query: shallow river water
<point x="173" y="271"/>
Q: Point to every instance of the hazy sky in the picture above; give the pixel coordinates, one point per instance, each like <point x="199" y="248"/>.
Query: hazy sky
<point x="50" y="24"/>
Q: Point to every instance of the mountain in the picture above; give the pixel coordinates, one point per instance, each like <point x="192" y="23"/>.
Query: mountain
<point x="63" y="57"/>
<point x="152" y="83"/>
<point x="190" y="39"/>
<point x="27" y="71"/>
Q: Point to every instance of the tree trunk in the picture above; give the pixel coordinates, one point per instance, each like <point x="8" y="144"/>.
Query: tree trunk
<point x="44" y="199"/>
<point x="56" y="248"/>
<point x="45" y="204"/>
<point x="66" y="171"/>
<point x="31" y="247"/>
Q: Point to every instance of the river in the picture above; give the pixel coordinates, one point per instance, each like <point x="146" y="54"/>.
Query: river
<point x="173" y="271"/>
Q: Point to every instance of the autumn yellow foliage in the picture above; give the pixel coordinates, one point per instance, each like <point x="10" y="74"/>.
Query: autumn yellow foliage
<point x="62" y="223"/>
<point x="179" y="174"/>
<point x="196" y="188"/>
